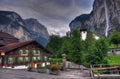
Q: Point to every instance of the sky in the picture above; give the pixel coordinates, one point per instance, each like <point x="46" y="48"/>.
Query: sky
<point x="54" y="14"/>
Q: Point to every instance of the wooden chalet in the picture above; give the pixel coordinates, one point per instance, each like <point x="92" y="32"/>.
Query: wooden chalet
<point x="13" y="52"/>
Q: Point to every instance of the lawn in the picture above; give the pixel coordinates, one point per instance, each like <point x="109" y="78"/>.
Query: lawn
<point x="114" y="60"/>
<point x="112" y="46"/>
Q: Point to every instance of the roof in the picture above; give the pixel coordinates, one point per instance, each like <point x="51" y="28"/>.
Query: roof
<point x="6" y="35"/>
<point x="6" y="38"/>
<point x="16" y="45"/>
<point x="83" y="29"/>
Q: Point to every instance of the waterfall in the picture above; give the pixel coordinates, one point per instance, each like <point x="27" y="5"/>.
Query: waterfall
<point x="107" y="19"/>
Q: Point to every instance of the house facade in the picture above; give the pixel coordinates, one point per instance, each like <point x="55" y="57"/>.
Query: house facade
<point x="13" y="52"/>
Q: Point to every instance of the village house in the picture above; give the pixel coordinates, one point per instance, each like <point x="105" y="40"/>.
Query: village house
<point x="13" y="52"/>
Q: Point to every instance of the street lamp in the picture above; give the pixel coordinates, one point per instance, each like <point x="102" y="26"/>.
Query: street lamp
<point x="2" y="55"/>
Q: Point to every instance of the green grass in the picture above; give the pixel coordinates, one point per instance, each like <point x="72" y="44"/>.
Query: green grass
<point x="114" y="46"/>
<point x="113" y="60"/>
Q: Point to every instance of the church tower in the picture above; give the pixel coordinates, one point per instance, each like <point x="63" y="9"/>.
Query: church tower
<point x="83" y="31"/>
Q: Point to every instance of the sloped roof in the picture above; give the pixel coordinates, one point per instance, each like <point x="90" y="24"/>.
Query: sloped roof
<point x="6" y="38"/>
<point x="16" y="45"/>
<point x="6" y="35"/>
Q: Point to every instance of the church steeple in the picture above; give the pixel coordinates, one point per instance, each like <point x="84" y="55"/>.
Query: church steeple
<point x="83" y="27"/>
<point x="83" y="31"/>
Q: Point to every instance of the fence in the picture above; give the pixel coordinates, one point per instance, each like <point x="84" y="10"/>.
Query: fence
<point x="103" y="71"/>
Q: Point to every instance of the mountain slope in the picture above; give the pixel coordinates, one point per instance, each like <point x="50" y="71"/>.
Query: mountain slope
<point x="103" y="19"/>
<point x="13" y="24"/>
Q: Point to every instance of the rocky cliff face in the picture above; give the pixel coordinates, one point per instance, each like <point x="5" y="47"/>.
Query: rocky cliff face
<point x="13" y="24"/>
<point x="103" y="19"/>
<point x="37" y="29"/>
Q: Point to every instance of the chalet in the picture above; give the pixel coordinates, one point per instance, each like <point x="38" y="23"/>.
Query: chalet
<point x="13" y="52"/>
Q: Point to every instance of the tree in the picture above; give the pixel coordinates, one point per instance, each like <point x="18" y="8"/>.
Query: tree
<point x="66" y="48"/>
<point x="77" y="47"/>
<point x="54" y="45"/>
<point x="79" y="51"/>
<point x="115" y="37"/>
<point x="99" y="52"/>
<point x="88" y="46"/>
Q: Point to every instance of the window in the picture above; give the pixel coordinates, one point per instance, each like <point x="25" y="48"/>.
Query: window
<point x="24" y="51"/>
<point x="21" y="58"/>
<point x="26" y="58"/>
<point x="38" y="58"/>
<point x="27" y="51"/>
<point x="38" y="51"/>
<point x="45" y="58"/>
<point x="33" y="51"/>
<point x="10" y="60"/>
<point x="21" y="51"/>
<point x="34" y="58"/>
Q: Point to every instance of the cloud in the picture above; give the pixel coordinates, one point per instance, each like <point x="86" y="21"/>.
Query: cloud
<point x="54" y="14"/>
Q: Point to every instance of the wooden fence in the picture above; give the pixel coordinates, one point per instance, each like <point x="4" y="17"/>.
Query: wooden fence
<point x="103" y="71"/>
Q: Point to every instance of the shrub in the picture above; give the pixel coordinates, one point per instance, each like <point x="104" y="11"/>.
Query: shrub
<point x="54" y="67"/>
<point x="53" y="60"/>
<point x="40" y="67"/>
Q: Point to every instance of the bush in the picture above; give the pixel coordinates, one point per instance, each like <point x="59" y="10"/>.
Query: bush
<point x="54" y="67"/>
<point x="40" y="67"/>
<point x="53" y="60"/>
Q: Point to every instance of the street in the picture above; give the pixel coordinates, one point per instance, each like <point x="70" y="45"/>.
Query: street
<point x="24" y="74"/>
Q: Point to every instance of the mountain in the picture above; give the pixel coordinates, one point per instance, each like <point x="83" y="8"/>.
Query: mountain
<point x="36" y="30"/>
<point x="103" y="19"/>
<point x="28" y="29"/>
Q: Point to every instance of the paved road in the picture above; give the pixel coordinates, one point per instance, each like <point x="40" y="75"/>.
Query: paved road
<point x="24" y="74"/>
